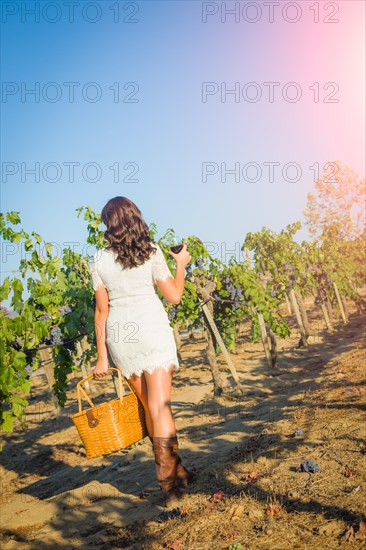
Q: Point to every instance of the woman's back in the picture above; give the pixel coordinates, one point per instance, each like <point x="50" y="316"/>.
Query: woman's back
<point x="138" y="332"/>
<point x="128" y="283"/>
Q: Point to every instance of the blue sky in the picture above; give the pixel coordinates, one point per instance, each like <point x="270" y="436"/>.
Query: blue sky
<point x="167" y="53"/>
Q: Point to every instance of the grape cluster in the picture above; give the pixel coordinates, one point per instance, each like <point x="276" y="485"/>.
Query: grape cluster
<point x="16" y="344"/>
<point x="189" y="269"/>
<point x="199" y="264"/>
<point x="54" y="337"/>
<point x="169" y="514"/>
<point x="28" y="369"/>
<point x="64" y="310"/>
<point x="29" y="356"/>
<point x="236" y="294"/>
<point x="45" y="317"/>
<point x="309" y="466"/>
<point x="236" y="546"/>
<point x="321" y="276"/>
<point x="172" y="313"/>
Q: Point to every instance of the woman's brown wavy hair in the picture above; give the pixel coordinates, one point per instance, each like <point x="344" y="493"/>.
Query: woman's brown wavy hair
<point x="127" y="233"/>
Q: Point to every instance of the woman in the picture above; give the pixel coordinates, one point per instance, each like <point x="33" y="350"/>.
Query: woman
<point x="131" y="322"/>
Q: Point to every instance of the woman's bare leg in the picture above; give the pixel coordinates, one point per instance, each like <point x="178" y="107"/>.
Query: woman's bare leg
<point x="159" y="385"/>
<point x="139" y="385"/>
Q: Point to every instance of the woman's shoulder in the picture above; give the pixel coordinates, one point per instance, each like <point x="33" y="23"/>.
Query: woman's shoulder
<point x="100" y="254"/>
<point x="104" y="254"/>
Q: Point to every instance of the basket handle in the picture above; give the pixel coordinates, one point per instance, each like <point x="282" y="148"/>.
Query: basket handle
<point x="80" y="389"/>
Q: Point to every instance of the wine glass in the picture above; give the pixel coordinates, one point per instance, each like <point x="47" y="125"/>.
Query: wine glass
<point x="177" y="244"/>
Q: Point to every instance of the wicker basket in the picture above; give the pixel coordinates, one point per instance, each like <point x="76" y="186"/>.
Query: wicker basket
<point x="111" y="426"/>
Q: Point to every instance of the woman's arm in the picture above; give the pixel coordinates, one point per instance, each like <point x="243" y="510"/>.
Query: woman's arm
<point x="172" y="287"/>
<point x="100" y="318"/>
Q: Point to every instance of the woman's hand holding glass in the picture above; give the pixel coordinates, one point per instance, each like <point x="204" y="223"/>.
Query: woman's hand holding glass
<point x="183" y="257"/>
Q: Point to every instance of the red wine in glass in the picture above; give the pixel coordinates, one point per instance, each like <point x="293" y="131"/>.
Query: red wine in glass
<point x="176" y="248"/>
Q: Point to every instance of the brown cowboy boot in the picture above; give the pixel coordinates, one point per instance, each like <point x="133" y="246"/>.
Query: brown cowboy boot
<point x="183" y="476"/>
<point x="165" y="452"/>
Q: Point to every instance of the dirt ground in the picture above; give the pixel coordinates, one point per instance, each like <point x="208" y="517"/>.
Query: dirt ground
<point x="250" y="490"/>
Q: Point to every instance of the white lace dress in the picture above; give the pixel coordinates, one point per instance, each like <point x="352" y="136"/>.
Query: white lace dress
<point x="138" y="334"/>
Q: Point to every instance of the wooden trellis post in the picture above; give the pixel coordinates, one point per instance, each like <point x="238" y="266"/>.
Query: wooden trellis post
<point x="273" y="349"/>
<point x="204" y="292"/>
<point x="48" y="367"/>
<point x="264" y="338"/>
<point x="326" y="317"/>
<point x="298" y="318"/>
<point x="268" y="341"/>
<point x="225" y="352"/>
<point x="345" y="307"/>
<point x="343" y="313"/>
<point x="288" y="304"/>
<point x="318" y="295"/>
<point x="303" y="313"/>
